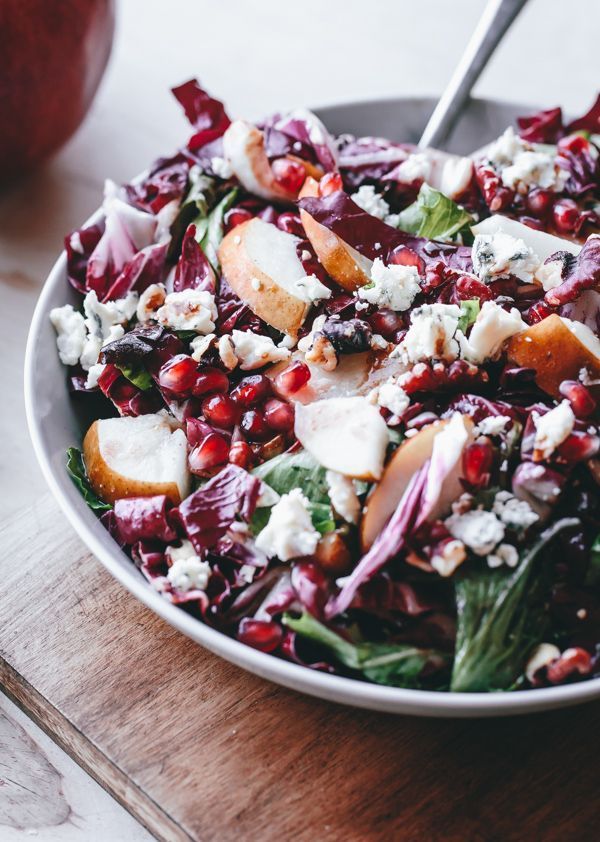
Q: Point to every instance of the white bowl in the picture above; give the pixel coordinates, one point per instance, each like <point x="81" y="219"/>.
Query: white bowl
<point x="54" y="425"/>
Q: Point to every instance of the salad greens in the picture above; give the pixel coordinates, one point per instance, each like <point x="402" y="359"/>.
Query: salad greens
<point x="501" y="618"/>
<point x="210" y="230"/>
<point x="77" y="472"/>
<point x="398" y="665"/>
<point x="137" y="375"/>
<point x="297" y="470"/>
<point x="436" y="217"/>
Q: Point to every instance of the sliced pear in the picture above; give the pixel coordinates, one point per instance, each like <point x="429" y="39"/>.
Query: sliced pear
<point x="540" y="242"/>
<point x="136" y="457"/>
<point x="244" y="148"/>
<point x="262" y="266"/>
<point x="405" y="462"/>
<point x="558" y="349"/>
<point x="341" y="261"/>
<point x="347" y="435"/>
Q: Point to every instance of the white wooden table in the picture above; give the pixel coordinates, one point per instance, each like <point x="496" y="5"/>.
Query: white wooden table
<point x="241" y="52"/>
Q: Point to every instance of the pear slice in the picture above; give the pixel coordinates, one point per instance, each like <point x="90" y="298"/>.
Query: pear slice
<point x="405" y="462"/>
<point x="136" y="457"/>
<point x="341" y="261"/>
<point x="558" y="349"/>
<point x="262" y="266"/>
<point x="347" y="435"/>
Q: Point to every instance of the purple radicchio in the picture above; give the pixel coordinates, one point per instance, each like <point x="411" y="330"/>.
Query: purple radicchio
<point x="127" y="231"/>
<point x="147" y="267"/>
<point x="542" y="127"/>
<point x="373" y="238"/>
<point x="590" y="122"/>
<point x="368" y="159"/>
<point x="584" y="275"/>
<point x="387" y="545"/>
<point x="302" y="134"/>
<point x="193" y="271"/>
<point x="165" y="182"/>
<point x="206" y="515"/>
<point x="206" y="114"/>
<point x="79" y="246"/>
<point x="144" y="519"/>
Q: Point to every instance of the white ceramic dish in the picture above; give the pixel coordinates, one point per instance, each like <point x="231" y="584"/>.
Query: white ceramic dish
<point x="54" y="425"/>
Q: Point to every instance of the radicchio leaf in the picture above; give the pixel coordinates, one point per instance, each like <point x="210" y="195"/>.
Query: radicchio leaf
<point x="590" y="122"/>
<point x="388" y="544"/>
<point x="127" y="231"/>
<point x="373" y="238"/>
<point x="584" y="275"/>
<point x="144" y="519"/>
<point x="79" y="246"/>
<point x="542" y="127"/>
<point x="307" y="138"/>
<point x="207" y="115"/>
<point x="146" y="268"/>
<point x="193" y="271"/>
<point x="207" y="514"/>
<point x="166" y="181"/>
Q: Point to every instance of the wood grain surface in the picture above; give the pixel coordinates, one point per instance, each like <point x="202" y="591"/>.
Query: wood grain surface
<point x="198" y="749"/>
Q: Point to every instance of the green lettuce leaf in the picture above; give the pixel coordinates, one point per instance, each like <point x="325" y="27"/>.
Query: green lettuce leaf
<point x="436" y="217"/>
<point x="469" y="310"/>
<point x="137" y="375"/>
<point x="592" y="576"/>
<point x="77" y="472"/>
<point x="200" y="198"/>
<point x="395" y="664"/>
<point x="211" y="235"/>
<point x="297" y="470"/>
<point x="501" y="617"/>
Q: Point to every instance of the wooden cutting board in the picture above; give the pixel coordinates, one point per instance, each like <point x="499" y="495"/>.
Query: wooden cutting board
<point x="198" y="749"/>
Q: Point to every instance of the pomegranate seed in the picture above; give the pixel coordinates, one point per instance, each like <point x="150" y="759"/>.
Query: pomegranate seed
<point x="467" y="287"/>
<point x="178" y="375"/>
<point x="210" y="379"/>
<point x="539" y="202"/>
<point x="221" y="411"/>
<point x="579" y="447"/>
<point x="279" y="415"/>
<point x="235" y="217"/>
<point x="330" y="183"/>
<point x="289" y="174"/>
<point x="213" y="451"/>
<point x="575" y="143"/>
<point x="386" y="322"/>
<point x="254" y="425"/>
<point x="196" y="430"/>
<point x="290" y="223"/>
<point x="574" y="661"/>
<point x="251" y="390"/>
<point x="538" y="311"/>
<point x="477" y="463"/>
<point x="579" y="397"/>
<point x="240" y="453"/>
<point x="265" y="635"/>
<point x="566" y="215"/>
<point x="292" y="378"/>
<point x="404" y="256"/>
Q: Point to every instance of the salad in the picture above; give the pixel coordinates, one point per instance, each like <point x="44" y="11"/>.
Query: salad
<point x="344" y="394"/>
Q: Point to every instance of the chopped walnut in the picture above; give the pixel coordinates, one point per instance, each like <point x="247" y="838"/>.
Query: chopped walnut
<point x="322" y="353"/>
